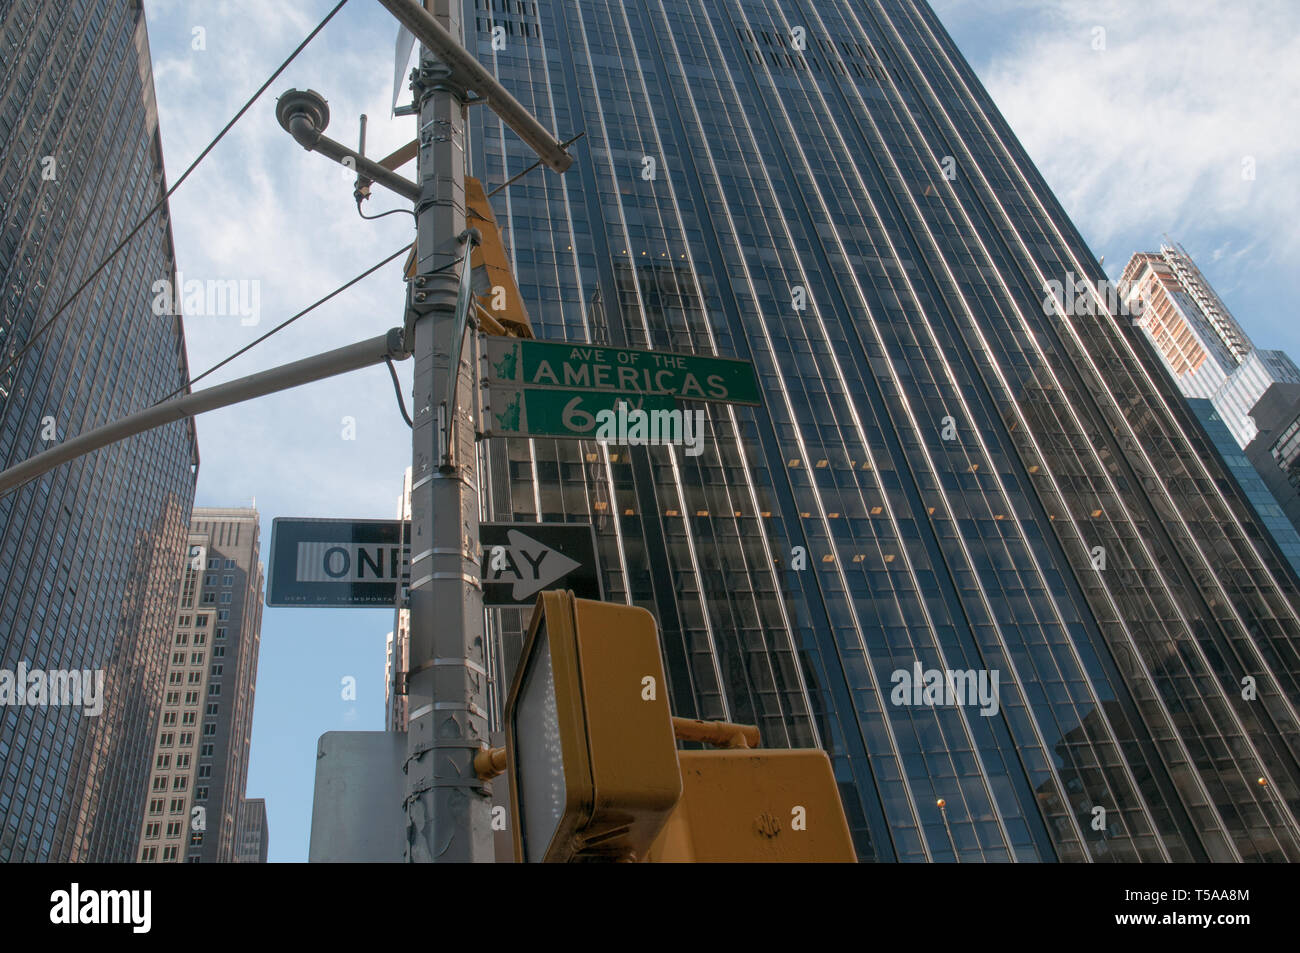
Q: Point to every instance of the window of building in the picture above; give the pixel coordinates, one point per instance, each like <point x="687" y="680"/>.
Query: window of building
<point x="205" y="770"/>
<point x="173" y="828"/>
<point x="200" y="794"/>
<point x="180" y="782"/>
<point x="227" y="581"/>
<point x="230" y="564"/>
<point x="151" y="830"/>
<point x="165" y="739"/>
<point x="169" y="852"/>
<point x="155" y="805"/>
<point x="148" y="855"/>
<point x="177" y="806"/>
<point x="223" y="615"/>
<point x="182" y="638"/>
<point x="164" y="761"/>
<point x="187" y="739"/>
<point x="214" y="563"/>
<point x="196" y="658"/>
<point x="206" y="750"/>
<point x="183" y="621"/>
<point x="201" y="621"/>
<point x="182" y="761"/>
<point x="173" y="698"/>
<point x="226" y="597"/>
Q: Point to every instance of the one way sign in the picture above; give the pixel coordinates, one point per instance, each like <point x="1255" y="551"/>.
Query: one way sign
<point x="362" y="563"/>
<point x="522" y="559"/>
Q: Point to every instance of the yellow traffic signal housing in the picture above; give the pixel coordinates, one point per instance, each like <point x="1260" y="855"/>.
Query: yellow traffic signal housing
<point x="590" y="748"/>
<point x="744" y="805"/>
<point x="504" y="306"/>
<point x="502" y="310"/>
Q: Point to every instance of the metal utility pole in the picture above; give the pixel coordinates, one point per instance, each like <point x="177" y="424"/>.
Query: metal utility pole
<point x="448" y="806"/>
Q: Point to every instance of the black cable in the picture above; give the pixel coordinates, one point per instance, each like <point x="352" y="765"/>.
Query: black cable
<point x="284" y="324"/>
<point x="397" y="389"/>
<point x="311" y="307"/>
<point x="516" y="177"/>
<point x="163" y="201"/>
<point x="395" y="211"/>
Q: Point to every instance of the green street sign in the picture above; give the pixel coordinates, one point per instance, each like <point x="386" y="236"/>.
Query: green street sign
<point x="619" y="370"/>
<point x="537" y="412"/>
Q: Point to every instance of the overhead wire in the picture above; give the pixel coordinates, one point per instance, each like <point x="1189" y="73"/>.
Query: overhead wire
<point x="31" y="341"/>
<point x="519" y="175"/>
<point x="288" y="321"/>
<point x="396" y="211"/>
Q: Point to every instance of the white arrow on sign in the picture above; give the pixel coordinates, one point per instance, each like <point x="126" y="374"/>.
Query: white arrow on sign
<point x="534" y="565"/>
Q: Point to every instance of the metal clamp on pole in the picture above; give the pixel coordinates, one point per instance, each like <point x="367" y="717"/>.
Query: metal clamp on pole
<point x="489" y="763"/>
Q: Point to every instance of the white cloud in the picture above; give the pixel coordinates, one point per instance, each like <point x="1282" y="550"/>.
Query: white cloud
<point x="1153" y="132"/>
<point x="259" y="207"/>
<point x="1150" y="135"/>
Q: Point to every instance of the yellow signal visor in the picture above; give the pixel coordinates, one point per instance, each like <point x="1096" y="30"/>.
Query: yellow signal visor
<point x="502" y="298"/>
<point x="751" y="805"/>
<point x="589" y="737"/>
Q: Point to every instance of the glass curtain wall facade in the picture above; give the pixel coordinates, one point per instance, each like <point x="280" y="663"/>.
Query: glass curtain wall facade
<point x="88" y="551"/>
<point x="1271" y="515"/>
<point x="954" y="468"/>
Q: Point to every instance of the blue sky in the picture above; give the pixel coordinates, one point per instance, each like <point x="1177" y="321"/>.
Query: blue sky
<point x="1143" y="137"/>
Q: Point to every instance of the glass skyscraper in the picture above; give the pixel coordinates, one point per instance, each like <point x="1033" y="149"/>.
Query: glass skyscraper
<point x="1271" y="515"/>
<point x="958" y="468"/>
<point x="88" y="552"/>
